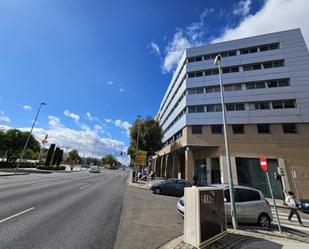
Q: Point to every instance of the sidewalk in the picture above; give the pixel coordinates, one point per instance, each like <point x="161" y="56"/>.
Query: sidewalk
<point x="250" y="238"/>
<point x="10" y="174"/>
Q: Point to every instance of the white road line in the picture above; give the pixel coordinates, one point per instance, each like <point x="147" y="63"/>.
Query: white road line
<point x="14" y="215"/>
<point x="84" y="186"/>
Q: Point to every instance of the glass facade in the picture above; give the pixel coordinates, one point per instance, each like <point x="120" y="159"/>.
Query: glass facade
<point x="249" y="173"/>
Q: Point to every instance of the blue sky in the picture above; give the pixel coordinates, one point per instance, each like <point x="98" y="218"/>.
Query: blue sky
<point x="98" y="64"/>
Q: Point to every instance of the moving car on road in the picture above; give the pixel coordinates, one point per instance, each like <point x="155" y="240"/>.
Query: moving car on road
<point x="171" y="186"/>
<point x="94" y="169"/>
<point x="251" y="206"/>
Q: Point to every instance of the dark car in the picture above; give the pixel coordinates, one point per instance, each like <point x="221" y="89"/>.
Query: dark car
<point x="304" y="206"/>
<point x="171" y="186"/>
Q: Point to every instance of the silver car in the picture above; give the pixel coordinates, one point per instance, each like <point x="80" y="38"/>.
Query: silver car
<point x="251" y="206"/>
<point x="94" y="169"/>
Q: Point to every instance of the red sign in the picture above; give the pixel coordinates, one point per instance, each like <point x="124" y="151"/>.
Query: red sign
<point x="263" y="163"/>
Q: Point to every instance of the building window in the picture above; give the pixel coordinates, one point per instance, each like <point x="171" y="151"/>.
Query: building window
<point x="259" y="106"/>
<point x="238" y="129"/>
<point x="191" y="109"/>
<point x="235" y="107"/>
<point x="191" y="91"/>
<point x="212" y="89"/>
<point x="269" y="47"/>
<point x="195" y="108"/>
<point x="234" y="87"/>
<point x="280" y="104"/>
<point x="289" y="128"/>
<point x="199" y="108"/>
<point x="248" y="50"/>
<point x="196" y="129"/>
<point x="289" y="104"/>
<point x="216" y="129"/>
<point x="255" y="85"/>
<point x="263" y="128"/>
<point x="199" y="90"/>
<point x="214" y="108"/>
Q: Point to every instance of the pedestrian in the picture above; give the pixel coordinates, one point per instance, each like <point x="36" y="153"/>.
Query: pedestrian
<point x="194" y="180"/>
<point x="293" y="205"/>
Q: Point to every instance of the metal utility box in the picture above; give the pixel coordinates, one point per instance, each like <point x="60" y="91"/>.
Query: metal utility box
<point x="204" y="219"/>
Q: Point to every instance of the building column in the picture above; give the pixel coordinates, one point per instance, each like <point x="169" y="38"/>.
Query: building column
<point x="285" y="179"/>
<point x="158" y="166"/>
<point x="189" y="164"/>
<point x="208" y="170"/>
<point x="224" y="170"/>
<point x="166" y="173"/>
<point x="175" y="166"/>
<point x="162" y="166"/>
<point x="178" y="167"/>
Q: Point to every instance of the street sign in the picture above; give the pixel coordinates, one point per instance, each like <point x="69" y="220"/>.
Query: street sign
<point x="264" y="166"/>
<point x="141" y="158"/>
<point x="263" y="163"/>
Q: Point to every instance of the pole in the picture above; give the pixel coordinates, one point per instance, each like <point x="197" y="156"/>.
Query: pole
<point x="28" y="138"/>
<point x="134" y="166"/>
<point x="294" y="181"/>
<point x="227" y="152"/>
<point x="275" y="206"/>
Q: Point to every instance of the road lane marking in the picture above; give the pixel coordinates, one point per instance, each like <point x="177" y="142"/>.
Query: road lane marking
<point x="15" y="215"/>
<point x="84" y="186"/>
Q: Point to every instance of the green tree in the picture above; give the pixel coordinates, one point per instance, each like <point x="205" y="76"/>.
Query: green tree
<point x="50" y="154"/>
<point x="73" y="155"/>
<point x="150" y="136"/>
<point x="110" y="160"/>
<point x="59" y="158"/>
<point x="12" y="142"/>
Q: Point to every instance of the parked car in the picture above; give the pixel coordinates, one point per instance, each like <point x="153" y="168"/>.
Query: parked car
<point x="151" y="183"/>
<point x="94" y="169"/>
<point x="304" y="205"/>
<point x="171" y="186"/>
<point x="251" y="206"/>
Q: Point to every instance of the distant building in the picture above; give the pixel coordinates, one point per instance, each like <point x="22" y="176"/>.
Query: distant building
<point x="266" y="89"/>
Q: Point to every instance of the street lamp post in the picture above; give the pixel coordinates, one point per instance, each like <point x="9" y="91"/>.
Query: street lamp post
<point x="226" y="143"/>
<point x="28" y="138"/>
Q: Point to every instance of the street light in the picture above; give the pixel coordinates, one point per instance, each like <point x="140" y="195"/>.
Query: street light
<point x="27" y="141"/>
<point x="226" y="143"/>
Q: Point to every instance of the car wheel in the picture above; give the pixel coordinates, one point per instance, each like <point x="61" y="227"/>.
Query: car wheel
<point x="157" y="191"/>
<point x="264" y="220"/>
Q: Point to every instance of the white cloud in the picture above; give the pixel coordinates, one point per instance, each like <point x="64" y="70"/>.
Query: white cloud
<point x="108" y="120"/>
<point x="125" y="125"/>
<point x="242" y="8"/>
<point x="275" y="15"/>
<point x="27" y="108"/>
<point x="2" y="112"/>
<point x="187" y="37"/>
<point x="86" y="141"/>
<point x="54" y="122"/>
<point x="121" y="89"/>
<point x="110" y="82"/>
<point x="98" y="127"/>
<point x="5" y="119"/>
<point x="154" y="48"/>
<point x="71" y="115"/>
<point x="89" y="116"/>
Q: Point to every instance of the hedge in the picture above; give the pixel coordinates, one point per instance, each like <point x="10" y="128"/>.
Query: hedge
<point x="50" y="167"/>
<point x="13" y="165"/>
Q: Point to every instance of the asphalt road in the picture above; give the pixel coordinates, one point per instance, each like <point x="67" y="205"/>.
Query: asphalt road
<point x="61" y="210"/>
